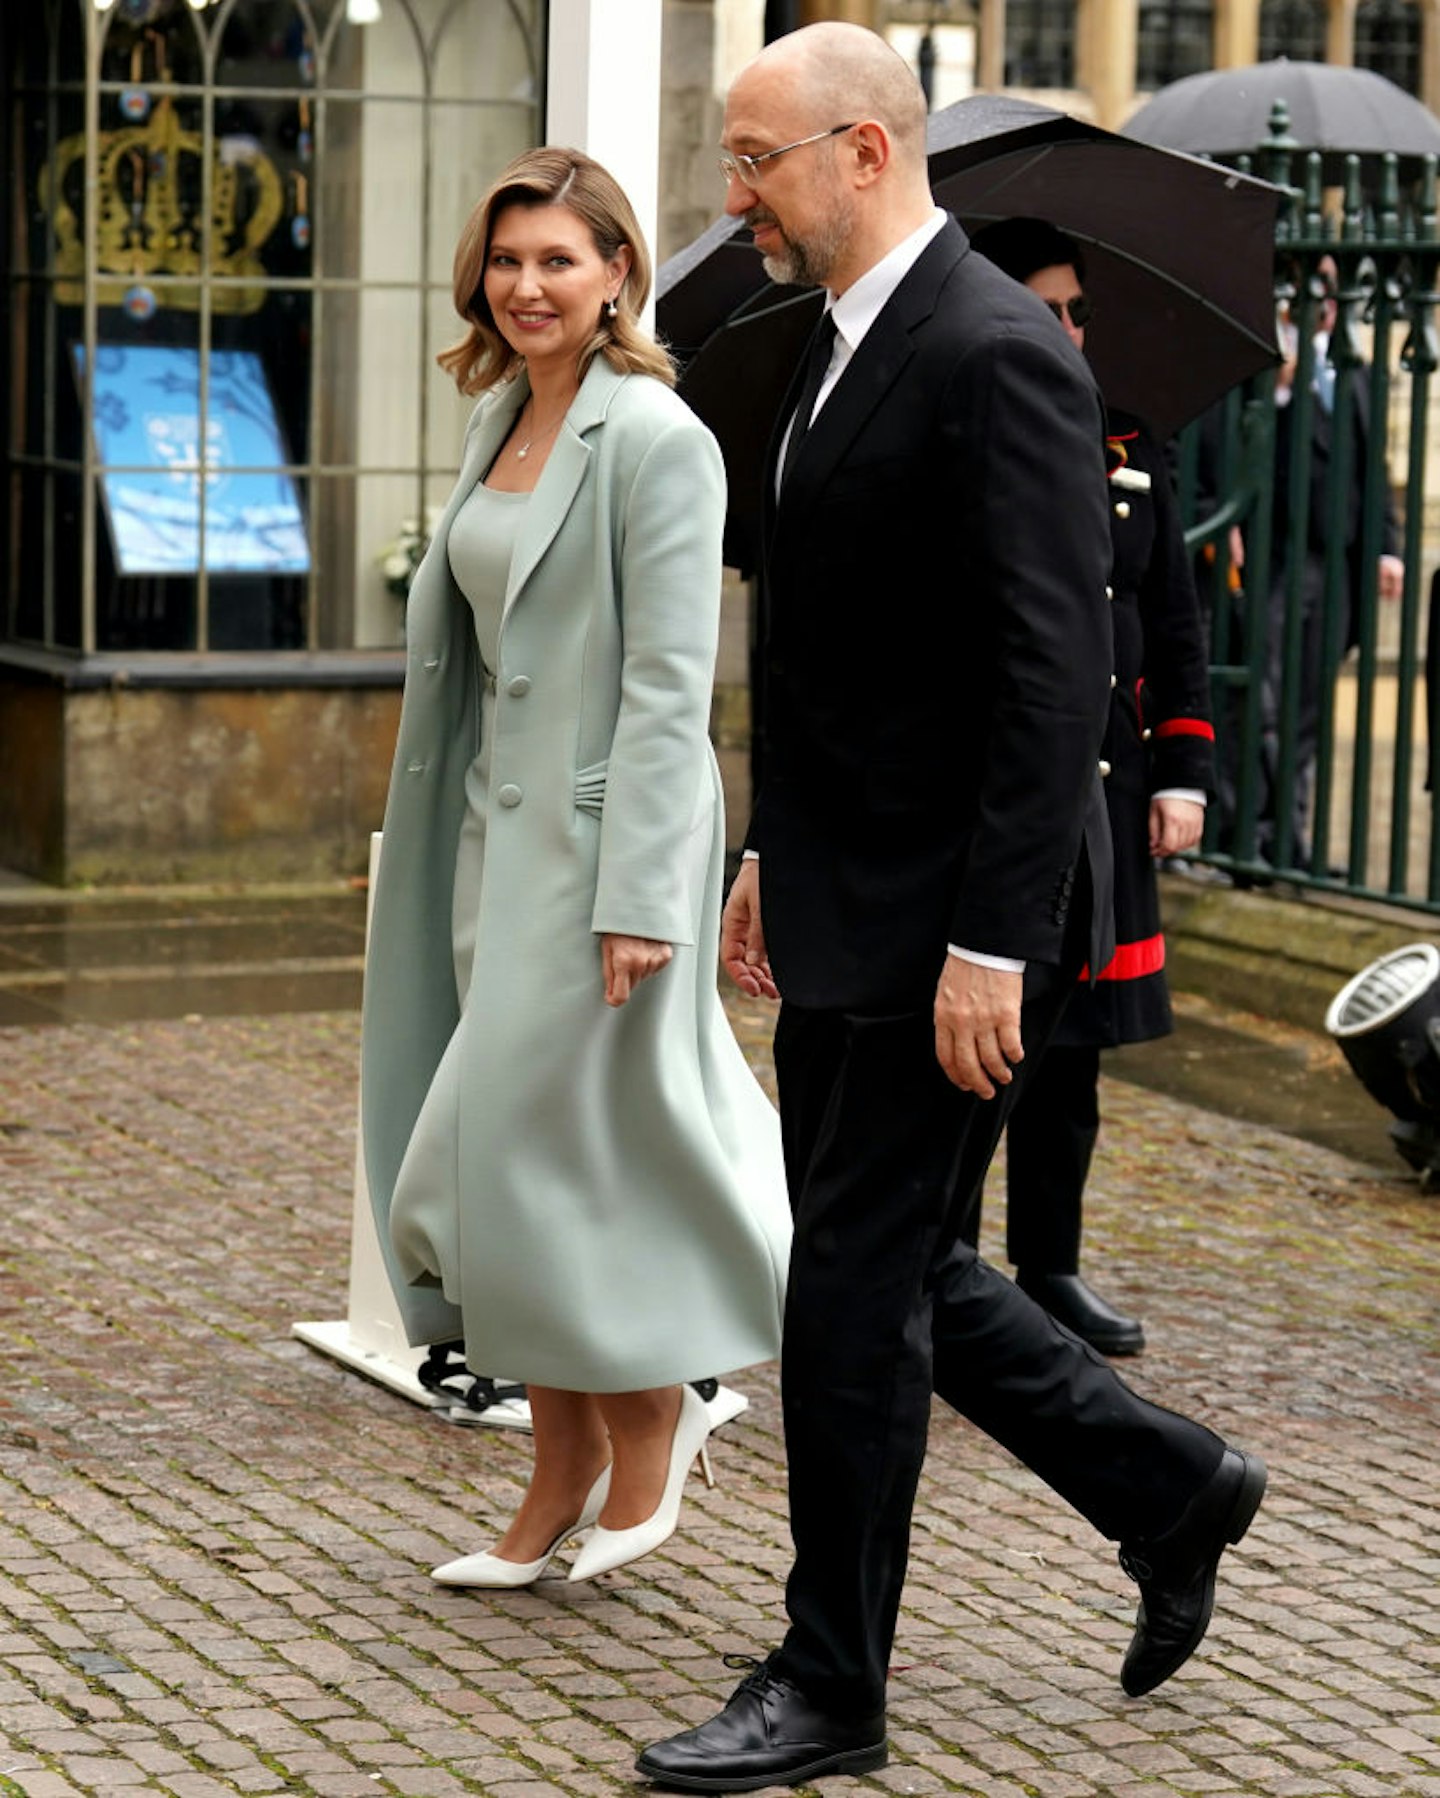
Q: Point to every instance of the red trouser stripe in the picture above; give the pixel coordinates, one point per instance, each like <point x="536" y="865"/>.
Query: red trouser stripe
<point x="1133" y="961"/>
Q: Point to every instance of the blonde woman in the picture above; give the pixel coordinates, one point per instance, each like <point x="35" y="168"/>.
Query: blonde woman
<point x="571" y="1165"/>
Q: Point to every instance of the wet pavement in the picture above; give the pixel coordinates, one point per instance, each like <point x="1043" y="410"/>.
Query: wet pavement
<point x="214" y="1541"/>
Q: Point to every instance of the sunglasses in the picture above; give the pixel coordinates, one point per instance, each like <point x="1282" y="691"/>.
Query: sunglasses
<point x="1080" y="309"/>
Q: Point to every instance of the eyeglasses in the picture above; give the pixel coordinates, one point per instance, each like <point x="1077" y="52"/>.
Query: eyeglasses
<point x="746" y="168"/>
<point x="1080" y="309"/>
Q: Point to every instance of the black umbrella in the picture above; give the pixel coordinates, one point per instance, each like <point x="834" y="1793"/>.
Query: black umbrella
<point x="1338" y="111"/>
<point x="1179" y="257"/>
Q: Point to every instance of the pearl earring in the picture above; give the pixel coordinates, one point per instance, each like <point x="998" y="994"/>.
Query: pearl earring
<point x="611" y="309"/>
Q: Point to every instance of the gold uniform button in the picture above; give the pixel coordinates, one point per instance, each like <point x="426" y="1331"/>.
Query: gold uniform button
<point x="1122" y="508"/>
<point x="1104" y="769"/>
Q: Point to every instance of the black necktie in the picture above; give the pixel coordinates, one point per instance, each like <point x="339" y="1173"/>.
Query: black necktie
<point x="817" y="363"/>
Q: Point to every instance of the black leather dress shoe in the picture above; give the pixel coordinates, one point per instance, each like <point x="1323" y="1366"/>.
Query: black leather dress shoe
<point x="769" y="1734"/>
<point x="1071" y="1302"/>
<point x="1176" y="1572"/>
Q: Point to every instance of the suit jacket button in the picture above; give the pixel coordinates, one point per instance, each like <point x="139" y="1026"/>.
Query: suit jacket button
<point x="1104" y="770"/>
<point x="1114" y="682"/>
<point x="1109" y="593"/>
<point x="1146" y="735"/>
<point x="1122" y="508"/>
<point x="509" y="796"/>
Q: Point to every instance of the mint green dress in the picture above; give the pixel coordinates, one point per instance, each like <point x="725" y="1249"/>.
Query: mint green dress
<point x="592" y="1197"/>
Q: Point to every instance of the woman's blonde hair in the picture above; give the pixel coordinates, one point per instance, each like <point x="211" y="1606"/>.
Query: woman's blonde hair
<point x="554" y="177"/>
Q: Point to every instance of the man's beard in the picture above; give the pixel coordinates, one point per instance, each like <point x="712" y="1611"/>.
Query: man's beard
<point x="803" y="262"/>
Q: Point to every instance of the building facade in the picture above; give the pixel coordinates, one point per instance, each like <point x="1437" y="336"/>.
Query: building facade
<point x="228" y="227"/>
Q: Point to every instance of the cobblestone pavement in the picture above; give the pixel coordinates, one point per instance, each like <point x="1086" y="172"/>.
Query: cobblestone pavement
<point x="214" y="1542"/>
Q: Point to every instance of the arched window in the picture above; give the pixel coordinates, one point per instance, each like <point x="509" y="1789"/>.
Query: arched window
<point x="1387" y="40"/>
<point x="1175" y="38"/>
<point x="1039" y="43"/>
<point x="1293" y="28"/>
<point x="223" y="300"/>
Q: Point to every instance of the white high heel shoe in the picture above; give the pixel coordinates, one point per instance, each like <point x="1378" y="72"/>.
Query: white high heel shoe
<point x="490" y="1571"/>
<point x="603" y="1550"/>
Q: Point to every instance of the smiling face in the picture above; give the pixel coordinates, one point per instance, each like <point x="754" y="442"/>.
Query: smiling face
<point x="546" y="284"/>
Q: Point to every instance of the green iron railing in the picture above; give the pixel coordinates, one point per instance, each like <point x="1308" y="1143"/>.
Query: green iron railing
<point x="1318" y="682"/>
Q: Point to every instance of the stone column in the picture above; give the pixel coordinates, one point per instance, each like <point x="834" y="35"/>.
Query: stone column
<point x="850" y="12"/>
<point x="603" y="94"/>
<point x="1237" y="33"/>
<point x="1107" y="36"/>
<point x="1340" y="34"/>
<point x="990" y="65"/>
<point x="1430" y="53"/>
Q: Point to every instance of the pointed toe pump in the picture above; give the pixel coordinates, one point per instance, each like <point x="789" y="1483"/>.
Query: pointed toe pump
<point x="488" y="1570"/>
<point x="604" y="1550"/>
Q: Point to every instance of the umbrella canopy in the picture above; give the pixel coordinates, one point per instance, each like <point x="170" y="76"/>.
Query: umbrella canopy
<point x="1226" y="112"/>
<point x="1179" y="258"/>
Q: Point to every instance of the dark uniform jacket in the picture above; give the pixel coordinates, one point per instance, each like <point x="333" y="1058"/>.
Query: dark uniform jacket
<point x="1159" y="733"/>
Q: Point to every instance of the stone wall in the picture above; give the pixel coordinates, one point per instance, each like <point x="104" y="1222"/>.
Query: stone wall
<point x="157" y="784"/>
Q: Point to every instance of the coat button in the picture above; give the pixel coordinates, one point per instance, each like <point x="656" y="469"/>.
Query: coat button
<point x="1104" y="770"/>
<point x="518" y="687"/>
<point x="1109" y="593"/>
<point x="1122" y="508"/>
<point x="1114" y="682"/>
<point x="509" y="796"/>
<point x="1146" y="735"/>
<point x="431" y="663"/>
<point x="415" y="767"/>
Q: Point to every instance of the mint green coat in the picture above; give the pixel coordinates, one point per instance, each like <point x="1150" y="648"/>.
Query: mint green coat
<point x="621" y="1218"/>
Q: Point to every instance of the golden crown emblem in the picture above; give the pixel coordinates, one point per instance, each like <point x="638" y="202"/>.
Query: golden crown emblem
<point x="142" y="225"/>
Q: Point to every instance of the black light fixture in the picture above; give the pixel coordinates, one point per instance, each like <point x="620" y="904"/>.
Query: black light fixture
<point x="1387" y="1023"/>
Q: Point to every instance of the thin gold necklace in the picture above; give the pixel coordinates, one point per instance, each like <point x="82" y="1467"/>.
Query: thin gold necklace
<point x="524" y="450"/>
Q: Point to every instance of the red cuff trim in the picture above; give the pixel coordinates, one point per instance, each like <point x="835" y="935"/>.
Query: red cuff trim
<point x="1133" y="961"/>
<point x="1186" y="727"/>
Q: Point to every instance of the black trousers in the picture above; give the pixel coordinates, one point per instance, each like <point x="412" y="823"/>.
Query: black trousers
<point x="1048" y="1144"/>
<point x="887" y="1302"/>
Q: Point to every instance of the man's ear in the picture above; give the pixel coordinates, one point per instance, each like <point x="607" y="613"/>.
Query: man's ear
<point x="870" y="151"/>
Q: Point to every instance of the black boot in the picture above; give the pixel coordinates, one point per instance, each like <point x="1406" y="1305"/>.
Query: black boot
<point x="1071" y="1302"/>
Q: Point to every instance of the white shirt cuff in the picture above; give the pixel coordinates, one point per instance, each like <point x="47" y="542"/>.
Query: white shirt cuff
<point x="1002" y="964"/>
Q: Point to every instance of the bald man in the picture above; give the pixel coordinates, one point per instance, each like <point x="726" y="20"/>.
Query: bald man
<point x="937" y="655"/>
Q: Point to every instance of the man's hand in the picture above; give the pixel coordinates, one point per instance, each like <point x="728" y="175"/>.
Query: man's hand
<point x="742" y="940"/>
<point x="1175" y="824"/>
<point x="627" y="960"/>
<point x="977" y="1025"/>
<point x="1391" y="577"/>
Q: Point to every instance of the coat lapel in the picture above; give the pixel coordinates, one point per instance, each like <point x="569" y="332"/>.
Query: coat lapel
<point x="870" y="374"/>
<point x="564" y="471"/>
<point x="434" y="588"/>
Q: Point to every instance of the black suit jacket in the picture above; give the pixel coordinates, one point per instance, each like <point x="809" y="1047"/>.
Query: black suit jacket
<point x="936" y="647"/>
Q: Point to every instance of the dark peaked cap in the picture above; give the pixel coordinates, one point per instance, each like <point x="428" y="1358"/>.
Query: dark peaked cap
<point x="1020" y="246"/>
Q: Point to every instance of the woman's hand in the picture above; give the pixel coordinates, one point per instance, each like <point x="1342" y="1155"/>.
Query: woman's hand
<point x="627" y="960"/>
